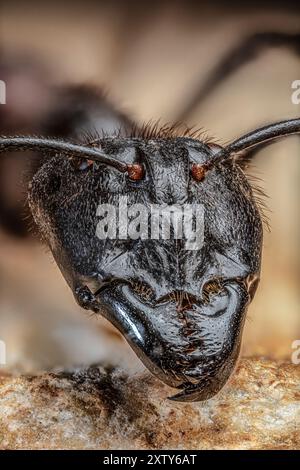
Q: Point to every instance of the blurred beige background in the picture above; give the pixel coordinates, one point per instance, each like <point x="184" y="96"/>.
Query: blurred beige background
<point x="150" y="56"/>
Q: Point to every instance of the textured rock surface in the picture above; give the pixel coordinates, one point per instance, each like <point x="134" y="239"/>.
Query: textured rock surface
<point x="98" y="408"/>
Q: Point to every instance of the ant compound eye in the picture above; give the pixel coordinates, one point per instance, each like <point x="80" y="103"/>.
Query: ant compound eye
<point x="135" y="172"/>
<point x="198" y="172"/>
<point x="81" y="164"/>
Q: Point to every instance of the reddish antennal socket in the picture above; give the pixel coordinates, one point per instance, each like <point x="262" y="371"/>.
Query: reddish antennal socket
<point x="198" y="171"/>
<point x="135" y="171"/>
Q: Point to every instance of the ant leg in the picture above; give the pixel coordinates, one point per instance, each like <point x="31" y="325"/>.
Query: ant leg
<point x="245" y="52"/>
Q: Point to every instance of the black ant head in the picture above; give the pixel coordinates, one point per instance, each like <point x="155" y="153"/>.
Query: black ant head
<point x="179" y="301"/>
<point x="178" y="290"/>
